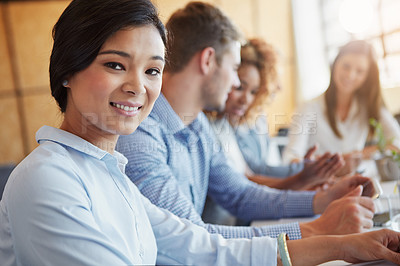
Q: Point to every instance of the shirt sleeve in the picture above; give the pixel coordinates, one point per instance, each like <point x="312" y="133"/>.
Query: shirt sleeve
<point x="391" y="127"/>
<point x="259" y="165"/>
<point x="73" y="237"/>
<point x="250" y="201"/>
<point x="254" y="144"/>
<point x="148" y="168"/>
<point x="173" y="234"/>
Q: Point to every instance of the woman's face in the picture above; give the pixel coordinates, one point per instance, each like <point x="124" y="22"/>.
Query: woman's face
<point x="350" y="72"/>
<point x="117" y="91"/>
<point x="240" y="98"/>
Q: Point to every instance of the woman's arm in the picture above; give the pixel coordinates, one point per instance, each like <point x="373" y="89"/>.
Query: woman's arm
<point x="354" y="248"/>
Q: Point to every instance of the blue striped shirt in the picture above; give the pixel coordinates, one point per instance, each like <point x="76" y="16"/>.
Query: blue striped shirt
<point x="253" y="142"/>
<point x="175" y="166"/>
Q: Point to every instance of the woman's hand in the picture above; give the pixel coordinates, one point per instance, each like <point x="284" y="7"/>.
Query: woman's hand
<point x="354" y="248"/>
<point x="318" y="171"/>
<point x="352" y="161"/>
<point x="374" y="245"/>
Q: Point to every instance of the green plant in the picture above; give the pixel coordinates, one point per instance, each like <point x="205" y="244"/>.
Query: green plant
<point x="382" y="142"/>
<point x="396" y="157"/>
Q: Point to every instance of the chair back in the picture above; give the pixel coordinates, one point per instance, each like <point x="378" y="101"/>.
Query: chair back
<point x="5" y="171"/>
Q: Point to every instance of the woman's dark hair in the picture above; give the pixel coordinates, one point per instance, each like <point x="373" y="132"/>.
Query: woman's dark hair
<point x="83" y="28"/>
<point x="369" y="94"/>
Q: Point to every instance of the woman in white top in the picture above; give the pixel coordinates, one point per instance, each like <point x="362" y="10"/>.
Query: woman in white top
<point x="338" y="120"/>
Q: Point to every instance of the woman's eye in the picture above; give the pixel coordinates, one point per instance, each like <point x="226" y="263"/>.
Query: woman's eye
<point x="254" y="92"/>
<point x="153" y="71"/>
<point x="361" y="71"/>
<point x="239" y="88"/>
<point x="346" y="67"/>
<point x="114" y="65"/>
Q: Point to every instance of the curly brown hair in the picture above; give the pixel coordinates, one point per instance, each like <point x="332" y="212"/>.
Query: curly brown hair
<point x="263" y="56"/>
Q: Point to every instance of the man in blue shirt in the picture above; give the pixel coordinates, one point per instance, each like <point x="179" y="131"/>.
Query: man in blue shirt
<point x="175" y="160"/>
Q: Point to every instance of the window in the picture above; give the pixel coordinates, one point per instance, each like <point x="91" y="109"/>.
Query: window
<point x="377" y="21"/>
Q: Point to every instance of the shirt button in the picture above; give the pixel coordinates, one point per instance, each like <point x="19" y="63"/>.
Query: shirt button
<point x="141" y="252"/>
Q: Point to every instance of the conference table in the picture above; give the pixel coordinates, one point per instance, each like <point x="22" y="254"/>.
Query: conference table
<point x="387" y="189"/>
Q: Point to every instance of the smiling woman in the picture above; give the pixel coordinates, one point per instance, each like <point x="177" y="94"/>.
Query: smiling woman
<point x="70" y="203"/>
<point x="117" y="91"/>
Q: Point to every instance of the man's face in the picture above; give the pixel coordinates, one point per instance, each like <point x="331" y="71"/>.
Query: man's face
<point x="223" y="79"/>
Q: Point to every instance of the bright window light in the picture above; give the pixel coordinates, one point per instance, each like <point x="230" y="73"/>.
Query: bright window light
<point x="356" y="16"/>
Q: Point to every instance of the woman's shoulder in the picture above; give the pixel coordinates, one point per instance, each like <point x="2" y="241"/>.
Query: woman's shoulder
<point x="45" y="166"/>
<point x="384" y="111"/>
<point x="45" y="156"/>
<point x="316" y="104"/>
<point x="387" y="119"/>
<point x="50" y="157"/>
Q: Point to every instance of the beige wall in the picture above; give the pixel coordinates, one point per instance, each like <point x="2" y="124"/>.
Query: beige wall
<point x="25" y="102"/>
<point x="25" y="44"/>
<point x="392" y="99"/>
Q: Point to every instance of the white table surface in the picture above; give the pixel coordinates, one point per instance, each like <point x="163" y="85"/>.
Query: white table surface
<point x="388" y="188"/>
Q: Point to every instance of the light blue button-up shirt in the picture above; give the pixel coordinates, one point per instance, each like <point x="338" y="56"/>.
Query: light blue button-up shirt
<point x="70" y="203"/>
<point x="254" y="145"/>
<point x="175" y="166"/>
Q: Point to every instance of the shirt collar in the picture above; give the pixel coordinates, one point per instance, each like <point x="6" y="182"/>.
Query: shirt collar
<point x="167" y="116"/>
<point x="47" y="133"/>
<point x="354" y="108"/>
<point x="163" y="112"/>
<point x="354" y="112"/>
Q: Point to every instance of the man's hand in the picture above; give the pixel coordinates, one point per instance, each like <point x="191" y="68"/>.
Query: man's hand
<point x="323" y="198"/>
<point x="350" y="214"/>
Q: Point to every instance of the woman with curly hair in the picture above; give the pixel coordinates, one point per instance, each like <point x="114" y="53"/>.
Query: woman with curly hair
<point x="241" y="127"/>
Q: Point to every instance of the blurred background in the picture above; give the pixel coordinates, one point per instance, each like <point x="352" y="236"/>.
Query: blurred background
<point x="307" y="33"/>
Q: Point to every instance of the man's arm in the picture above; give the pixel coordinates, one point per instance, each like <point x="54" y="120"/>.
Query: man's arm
<point x="148" y="168"/>
<point x="248" y="200"/>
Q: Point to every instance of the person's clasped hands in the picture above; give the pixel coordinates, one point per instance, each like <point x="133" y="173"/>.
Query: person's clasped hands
<point x="318" y="171"/>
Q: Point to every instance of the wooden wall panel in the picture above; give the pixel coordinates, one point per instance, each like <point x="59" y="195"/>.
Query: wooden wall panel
<point x="281" y="108"/>
<point x="275" y="20"/>
<point x="31" y="23"/>
<point x="40" y="110"/>
<point x="241" y="14"/>
<point x="167" y="7"/>
<point x="7" y="83"/>
<point x="25" y="98"/>
<point x="11" y="149"/>
<point x="391" y="97"/>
